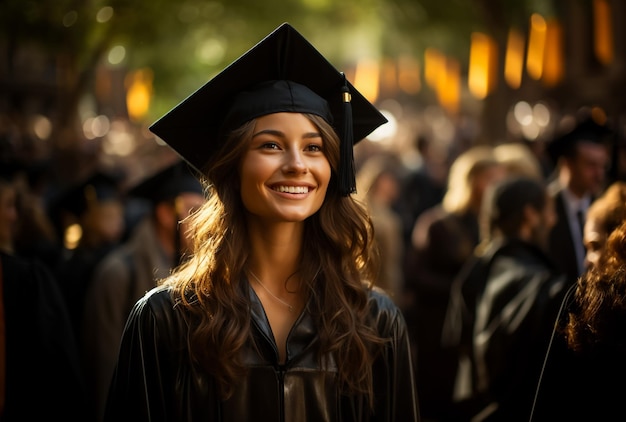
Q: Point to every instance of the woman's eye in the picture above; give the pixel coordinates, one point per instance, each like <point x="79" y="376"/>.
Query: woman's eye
<point x="270" y="145"/>
<point x="314" y="148"/>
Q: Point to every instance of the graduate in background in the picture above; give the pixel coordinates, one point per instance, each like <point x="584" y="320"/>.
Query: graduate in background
<point x="94" y="208"/>
<point x="40" y="375"/>
<point x="584" y="366"/>
<point x="582" y="159"/>
<point x="156" y="245"/>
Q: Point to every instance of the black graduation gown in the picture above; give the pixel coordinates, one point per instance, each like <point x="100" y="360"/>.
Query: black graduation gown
<point x="74" y="277"/>
<point x="43" y="378"/>
<point x="154" y="380"/>
<point x="580" y="386"/>
<point x="516" y="292"/>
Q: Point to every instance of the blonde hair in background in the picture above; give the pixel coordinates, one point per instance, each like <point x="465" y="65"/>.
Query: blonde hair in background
<point x="465" y="167"/>
<point x="518" y="159"/>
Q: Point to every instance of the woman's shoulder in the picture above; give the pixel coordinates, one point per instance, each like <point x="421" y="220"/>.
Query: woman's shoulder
<point x="157" y="301"/>
<point x="157" y="314"/>
<point x="384" y="310"/>
<point x="381" y="297"/>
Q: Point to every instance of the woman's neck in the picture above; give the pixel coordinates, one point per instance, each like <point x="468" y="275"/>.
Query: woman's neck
<point x="275" y="251"/>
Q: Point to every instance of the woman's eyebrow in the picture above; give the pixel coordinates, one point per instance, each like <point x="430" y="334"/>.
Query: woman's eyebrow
<point x="282" y="135"/>
<point x="269" y="132"/>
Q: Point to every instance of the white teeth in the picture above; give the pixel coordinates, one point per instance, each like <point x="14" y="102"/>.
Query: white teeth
<point x="292" y="189"/>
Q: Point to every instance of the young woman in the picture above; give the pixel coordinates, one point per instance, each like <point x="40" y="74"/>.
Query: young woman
<point x="274" y="316"/>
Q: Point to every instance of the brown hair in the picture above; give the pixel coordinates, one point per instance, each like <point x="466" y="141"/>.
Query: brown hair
<point x="338" y="256"/>
<point x="598" y="317"/>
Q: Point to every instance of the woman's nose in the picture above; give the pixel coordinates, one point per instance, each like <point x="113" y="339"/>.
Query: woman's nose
<point x="295" y="162"/>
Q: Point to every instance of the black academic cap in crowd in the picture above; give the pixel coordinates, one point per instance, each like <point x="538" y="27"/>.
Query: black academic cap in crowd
<point x="282" y="73"/>
<point x="98" y="187"/>
<point x="587" y="130"/>
<point x="168" y="183"/>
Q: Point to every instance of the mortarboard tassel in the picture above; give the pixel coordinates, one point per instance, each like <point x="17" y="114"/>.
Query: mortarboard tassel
<point x="347" y="178"/>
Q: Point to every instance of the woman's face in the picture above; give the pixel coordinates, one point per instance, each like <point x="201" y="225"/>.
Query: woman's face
<point x="594" y="238"/>
<point x="284" y="172"/>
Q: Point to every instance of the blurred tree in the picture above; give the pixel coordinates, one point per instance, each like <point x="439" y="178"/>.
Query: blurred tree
<point x="183" y="42"/>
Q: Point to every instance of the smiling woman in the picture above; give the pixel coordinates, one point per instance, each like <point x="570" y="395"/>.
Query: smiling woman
<point x="273" y="325"/>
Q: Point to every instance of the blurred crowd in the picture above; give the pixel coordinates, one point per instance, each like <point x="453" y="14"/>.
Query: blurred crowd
<point x="506" y="261"/>
<point x="497" y="257"/>
<point x="73" y="267"/>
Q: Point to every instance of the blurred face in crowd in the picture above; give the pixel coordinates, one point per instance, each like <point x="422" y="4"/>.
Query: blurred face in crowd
<point x="386" y="188"/>
<point x="587" y="168"/>
<point x="106" y="221"/>
<point x="594" y="237"/>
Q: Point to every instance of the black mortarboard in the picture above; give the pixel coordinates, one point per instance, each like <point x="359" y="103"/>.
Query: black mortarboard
<point x="587" y="130"/>
<point x="282" y="73"/>
<point x="94" y="189"/>
<point x="168" y="183"/>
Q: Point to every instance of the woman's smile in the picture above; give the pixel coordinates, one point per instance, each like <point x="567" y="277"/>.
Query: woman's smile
<point x="285" y="172"/>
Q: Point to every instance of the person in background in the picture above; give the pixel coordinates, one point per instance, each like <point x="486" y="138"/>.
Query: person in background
<point x="40" y="376"/>
<point x="156" y="246"/>
<point x="423" y="187"/>
<point x="275" y="315"/>
<point x="378" y="187"/>
<point x="519" y="291"/>
<point x="96" y="208"/>
<point x="583" y="369"/>
<point x="582" y="159"/>
<point x="458" y="327"/>
<point x="444" y="238"/>
<point x="35" y="235"/>
<point x="605" y="214"/>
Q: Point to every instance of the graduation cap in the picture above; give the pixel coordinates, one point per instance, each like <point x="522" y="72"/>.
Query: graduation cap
<point x="97" y="188"/>
<point x="282" y="73"/>
<point x="167" y="184"/>
<point x="587" y="130"/>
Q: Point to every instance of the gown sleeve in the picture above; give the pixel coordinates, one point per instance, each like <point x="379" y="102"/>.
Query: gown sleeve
<point x="395" y="392"/>
<point x="139" y="386"/>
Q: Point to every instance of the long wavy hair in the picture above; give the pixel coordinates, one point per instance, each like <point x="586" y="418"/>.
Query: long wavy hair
<point x="598" y="318"/>
<point x="338" y="265"/>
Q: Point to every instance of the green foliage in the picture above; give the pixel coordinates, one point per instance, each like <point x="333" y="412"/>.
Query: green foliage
<point x="186" y="42"/>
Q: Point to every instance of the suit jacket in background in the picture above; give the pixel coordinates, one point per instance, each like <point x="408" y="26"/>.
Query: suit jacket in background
<point x="561" y="244"/>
